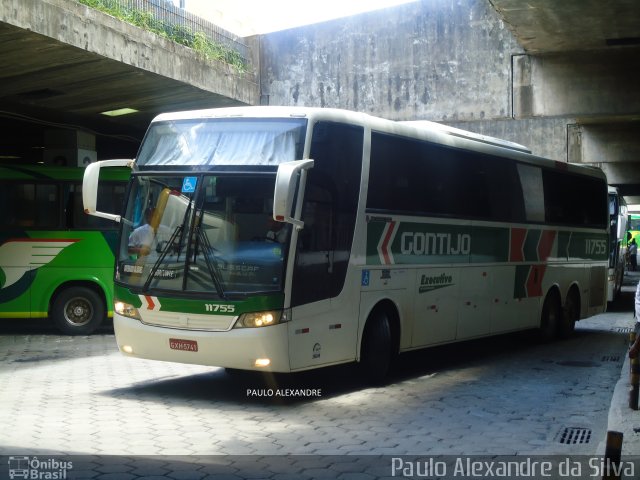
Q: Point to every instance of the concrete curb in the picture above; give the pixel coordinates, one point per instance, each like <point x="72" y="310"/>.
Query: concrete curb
<point x="621" y="417"/>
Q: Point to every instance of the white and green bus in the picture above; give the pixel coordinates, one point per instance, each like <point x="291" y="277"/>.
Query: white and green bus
<point x="285" y="239"/>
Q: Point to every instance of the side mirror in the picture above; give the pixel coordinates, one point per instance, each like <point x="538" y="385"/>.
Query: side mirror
<point x="290" y="175"/>
<point x="90" y="186"/>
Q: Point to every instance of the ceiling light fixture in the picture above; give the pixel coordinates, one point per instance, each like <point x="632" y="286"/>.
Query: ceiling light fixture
<point x="118" y="112"/>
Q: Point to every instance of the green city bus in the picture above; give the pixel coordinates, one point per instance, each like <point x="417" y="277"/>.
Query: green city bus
<point x="55" y="261"/>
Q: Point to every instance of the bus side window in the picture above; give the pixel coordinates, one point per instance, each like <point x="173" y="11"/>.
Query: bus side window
<point x="23" y="197"/>
<point x="329" y="212"/>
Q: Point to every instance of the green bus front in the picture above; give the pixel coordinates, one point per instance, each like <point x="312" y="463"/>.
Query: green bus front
<point x="204" y="273"/>
<point x="202" y="263"/>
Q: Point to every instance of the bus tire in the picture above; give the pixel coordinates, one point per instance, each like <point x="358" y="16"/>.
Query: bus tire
<point x="77" y="311"/>
<point x="570" y="314"/>
<point x="376" y="355"/>
<point x="551" y="316"/>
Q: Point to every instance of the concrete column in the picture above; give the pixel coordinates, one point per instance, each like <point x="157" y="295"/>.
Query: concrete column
<point x="69" y="148"/>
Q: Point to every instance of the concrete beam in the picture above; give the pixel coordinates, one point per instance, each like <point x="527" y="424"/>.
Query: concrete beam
<point x="577" y="85"/>
<point x="610" y="143"/>
<point x="621" y="173"/>
<point x="87" y="29"/>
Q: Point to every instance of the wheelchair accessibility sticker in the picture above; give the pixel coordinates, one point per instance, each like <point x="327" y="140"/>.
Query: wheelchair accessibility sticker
<point x="366" y="277"/>
<point x="189" y="184"/>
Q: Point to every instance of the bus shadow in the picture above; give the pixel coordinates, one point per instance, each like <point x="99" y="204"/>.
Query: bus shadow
<point x="248" y="388"/>
<point x="255" y="388"/>
<point x="239" y="387"/>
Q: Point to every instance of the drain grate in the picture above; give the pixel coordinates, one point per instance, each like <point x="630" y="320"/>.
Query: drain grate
<point x="578" y="363"/>
<point x="575" y="435"/>
<point x="624" y="329"/>
<point x="611" y="358"/>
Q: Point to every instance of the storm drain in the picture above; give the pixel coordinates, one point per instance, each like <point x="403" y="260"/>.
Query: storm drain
<point x="575" y="435"/>
<point x="625" y="329"/>
<point x="611" y="358"/>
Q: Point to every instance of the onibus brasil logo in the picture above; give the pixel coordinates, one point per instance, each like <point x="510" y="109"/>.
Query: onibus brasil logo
<point x="36" y="469"/>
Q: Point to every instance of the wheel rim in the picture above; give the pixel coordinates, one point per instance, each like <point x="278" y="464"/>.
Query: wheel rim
<point x="78" y="311"/>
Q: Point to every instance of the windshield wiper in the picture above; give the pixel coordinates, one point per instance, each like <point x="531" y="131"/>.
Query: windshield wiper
<point x="163" y="254"/>
<point x="212" y="267"/>
<point x="178" y="231"/>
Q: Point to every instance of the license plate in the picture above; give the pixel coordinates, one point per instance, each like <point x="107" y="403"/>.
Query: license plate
<point x="180" y="344"/>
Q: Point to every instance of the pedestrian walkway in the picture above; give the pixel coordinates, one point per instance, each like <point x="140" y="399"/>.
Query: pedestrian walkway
<point x="622" y="418"/>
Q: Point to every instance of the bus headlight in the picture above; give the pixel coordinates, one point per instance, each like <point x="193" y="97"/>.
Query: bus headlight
<point x="262" y="319"/>
<point x="126" y="310"/>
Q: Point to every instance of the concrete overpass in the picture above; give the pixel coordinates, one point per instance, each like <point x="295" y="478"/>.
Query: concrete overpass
<point x="583" y="60"/>
<point x="560" y="77"/>
<point x="64" y="63"/>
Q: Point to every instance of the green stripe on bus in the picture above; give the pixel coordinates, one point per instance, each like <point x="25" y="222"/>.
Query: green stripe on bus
<point x="402" y="243"/>
<point x="200" y="305"/>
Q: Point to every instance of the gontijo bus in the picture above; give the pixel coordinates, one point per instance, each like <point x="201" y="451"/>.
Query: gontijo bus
<point x="55" y="261"/>
<point x="287" y="239"/>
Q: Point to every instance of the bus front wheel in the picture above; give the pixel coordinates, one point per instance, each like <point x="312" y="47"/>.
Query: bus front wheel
<point x="77" y="311"/>
<point x="376" y="355"/>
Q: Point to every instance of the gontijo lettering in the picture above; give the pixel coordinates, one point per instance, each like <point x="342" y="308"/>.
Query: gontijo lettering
<point x="419" y="243"/>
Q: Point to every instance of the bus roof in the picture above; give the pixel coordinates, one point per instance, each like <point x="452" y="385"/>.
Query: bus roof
<point x="457" y="132"/>
<point x="427" y="130"/>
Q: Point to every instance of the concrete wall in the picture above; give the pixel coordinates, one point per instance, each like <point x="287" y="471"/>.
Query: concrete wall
<point x="451" y="61"/>
<point x="443" y="60"/>
<point x="447" y="60"/>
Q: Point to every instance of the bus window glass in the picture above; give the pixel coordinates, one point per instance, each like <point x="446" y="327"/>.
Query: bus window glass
<point x="23" y="197"/>
<point x="36" y="205"/>
<point x="418" y="177"/>
<point x="574" y="200"/>
<point x="531" y="181"/>
<point x="216" y="238"/>
<point x="47" y="201"/>
<point x="235" y="240"/>
<point x="329" y="212"/>
<point x="110" y="199"/>
<point x="236" y="141"/>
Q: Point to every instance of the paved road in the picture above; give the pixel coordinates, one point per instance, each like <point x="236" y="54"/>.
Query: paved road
<point x="505" y="396"/>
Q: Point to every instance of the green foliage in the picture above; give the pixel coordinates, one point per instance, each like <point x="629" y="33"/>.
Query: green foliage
<point x="197" y="41"/>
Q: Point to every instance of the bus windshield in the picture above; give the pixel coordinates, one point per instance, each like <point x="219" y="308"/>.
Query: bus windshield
<point x="223" y="141"/>
<point x="209" y="233"/>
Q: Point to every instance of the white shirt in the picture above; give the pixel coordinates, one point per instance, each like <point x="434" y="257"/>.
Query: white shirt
<point x="144" y="236"/>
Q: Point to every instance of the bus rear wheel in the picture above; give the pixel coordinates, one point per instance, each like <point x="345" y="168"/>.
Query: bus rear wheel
<point x="551" y="317"/>
<point x="376" y="355"/>
<point x="570" y="314"/>
<point x="77" y="311"/>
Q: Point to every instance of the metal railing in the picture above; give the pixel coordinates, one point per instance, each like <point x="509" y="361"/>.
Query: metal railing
<point x="176" y="23"/>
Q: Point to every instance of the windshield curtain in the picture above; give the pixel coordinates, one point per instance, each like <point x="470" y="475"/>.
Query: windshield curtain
<point x="208" y="233"/>
<point x="236" y="141"/>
